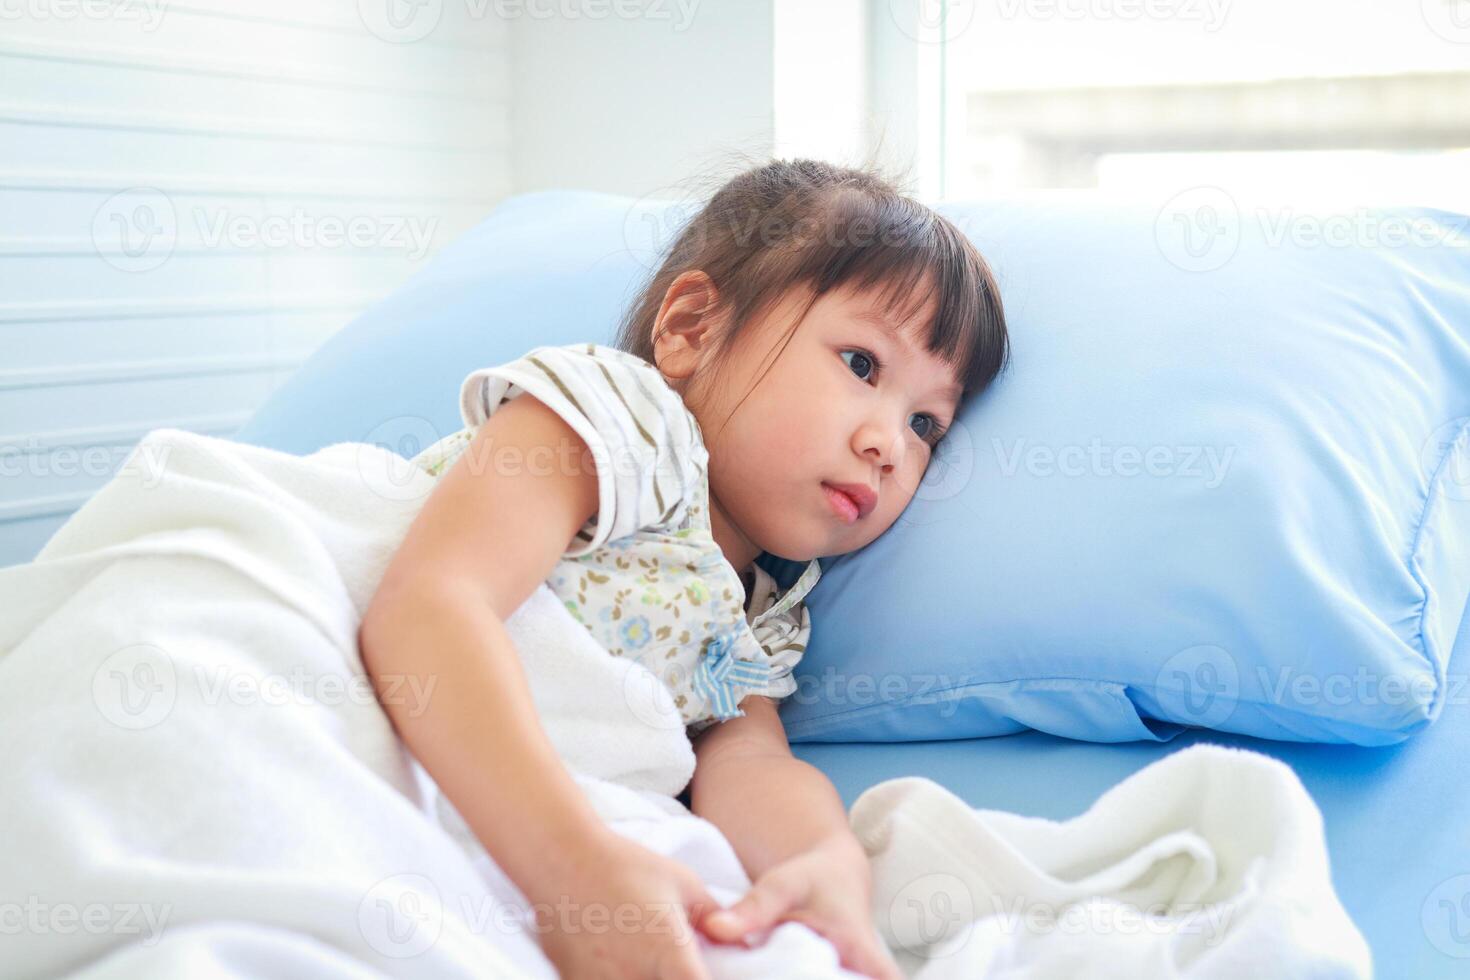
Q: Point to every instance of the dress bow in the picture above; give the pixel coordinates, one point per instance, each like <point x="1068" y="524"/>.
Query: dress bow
<point x="720" y="672"/>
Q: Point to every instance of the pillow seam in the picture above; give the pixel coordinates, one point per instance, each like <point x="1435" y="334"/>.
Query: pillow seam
<point x="1431" y="497"/>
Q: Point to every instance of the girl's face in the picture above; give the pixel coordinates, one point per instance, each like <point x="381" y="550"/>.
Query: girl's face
<point x="854" y="398"/>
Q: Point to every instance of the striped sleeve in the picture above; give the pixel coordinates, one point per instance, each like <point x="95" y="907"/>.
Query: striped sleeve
<point x="644" y="442"/>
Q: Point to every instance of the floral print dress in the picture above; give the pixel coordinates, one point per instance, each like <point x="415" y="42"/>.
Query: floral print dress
<point x="654" y="586"/>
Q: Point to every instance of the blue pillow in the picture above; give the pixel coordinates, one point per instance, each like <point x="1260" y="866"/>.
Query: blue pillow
<point x="1224" y="482"/>
<point x="1223" y="485"/>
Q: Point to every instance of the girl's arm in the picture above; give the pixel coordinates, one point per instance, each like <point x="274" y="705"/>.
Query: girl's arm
<point x="489" y="533"/>
<point x="478" y="735"/>
<point x="787" y="825"/>
<point x="770" y="804"/>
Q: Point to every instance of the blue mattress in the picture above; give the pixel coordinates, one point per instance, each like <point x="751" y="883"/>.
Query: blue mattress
<point x="1397" y="818"/>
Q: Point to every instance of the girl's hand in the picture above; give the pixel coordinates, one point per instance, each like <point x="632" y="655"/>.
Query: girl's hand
<point x="828" y="888"/>
<point x="626" y="912"/>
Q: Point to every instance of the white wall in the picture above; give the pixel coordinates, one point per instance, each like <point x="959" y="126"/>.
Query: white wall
<point x="821" y="79"/>
<point x="635" y="105"/>
<point x="643" y="105"/>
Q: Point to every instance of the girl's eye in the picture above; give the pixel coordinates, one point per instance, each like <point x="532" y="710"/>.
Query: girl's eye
<point x="933" y="431"/>
<point x="863" y="357"/>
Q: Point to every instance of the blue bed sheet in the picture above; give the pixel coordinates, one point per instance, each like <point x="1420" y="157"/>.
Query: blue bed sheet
<point x="1397" y="818"/>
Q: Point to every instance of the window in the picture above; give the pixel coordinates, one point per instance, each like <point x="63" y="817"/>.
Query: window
<point x="1305" y="101"/>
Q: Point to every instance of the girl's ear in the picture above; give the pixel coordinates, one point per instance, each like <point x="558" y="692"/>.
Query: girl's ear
<point x="684" y="331"/>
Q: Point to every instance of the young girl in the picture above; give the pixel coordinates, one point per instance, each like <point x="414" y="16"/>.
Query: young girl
<point x="779" y="386"/>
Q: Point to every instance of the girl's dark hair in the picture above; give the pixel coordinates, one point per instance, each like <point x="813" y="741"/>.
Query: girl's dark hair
<point x="805" y="223"/>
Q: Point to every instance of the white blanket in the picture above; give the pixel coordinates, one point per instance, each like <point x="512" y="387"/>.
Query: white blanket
<point x="199" y="779"/>
<point x="1208" y="864"/>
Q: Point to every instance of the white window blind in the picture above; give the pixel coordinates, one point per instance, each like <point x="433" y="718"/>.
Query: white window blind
<point x="196" y="193"/>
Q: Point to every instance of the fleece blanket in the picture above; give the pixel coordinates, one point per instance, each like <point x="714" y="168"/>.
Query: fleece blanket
<point x="199" y="777"/>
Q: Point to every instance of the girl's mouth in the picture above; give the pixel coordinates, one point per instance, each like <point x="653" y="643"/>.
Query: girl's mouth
<point x="842" y="505"/>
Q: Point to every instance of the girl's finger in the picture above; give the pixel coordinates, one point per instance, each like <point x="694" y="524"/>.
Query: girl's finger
<point x="699" y="905"/>
<point x="772" y="897"/>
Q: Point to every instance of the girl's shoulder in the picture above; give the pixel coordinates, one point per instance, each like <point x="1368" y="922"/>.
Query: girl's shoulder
<point x="656" y="462"/>
<point x="599" y="365"/>
<point x="592" y="353"/>
<point x="621" y="380"/>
